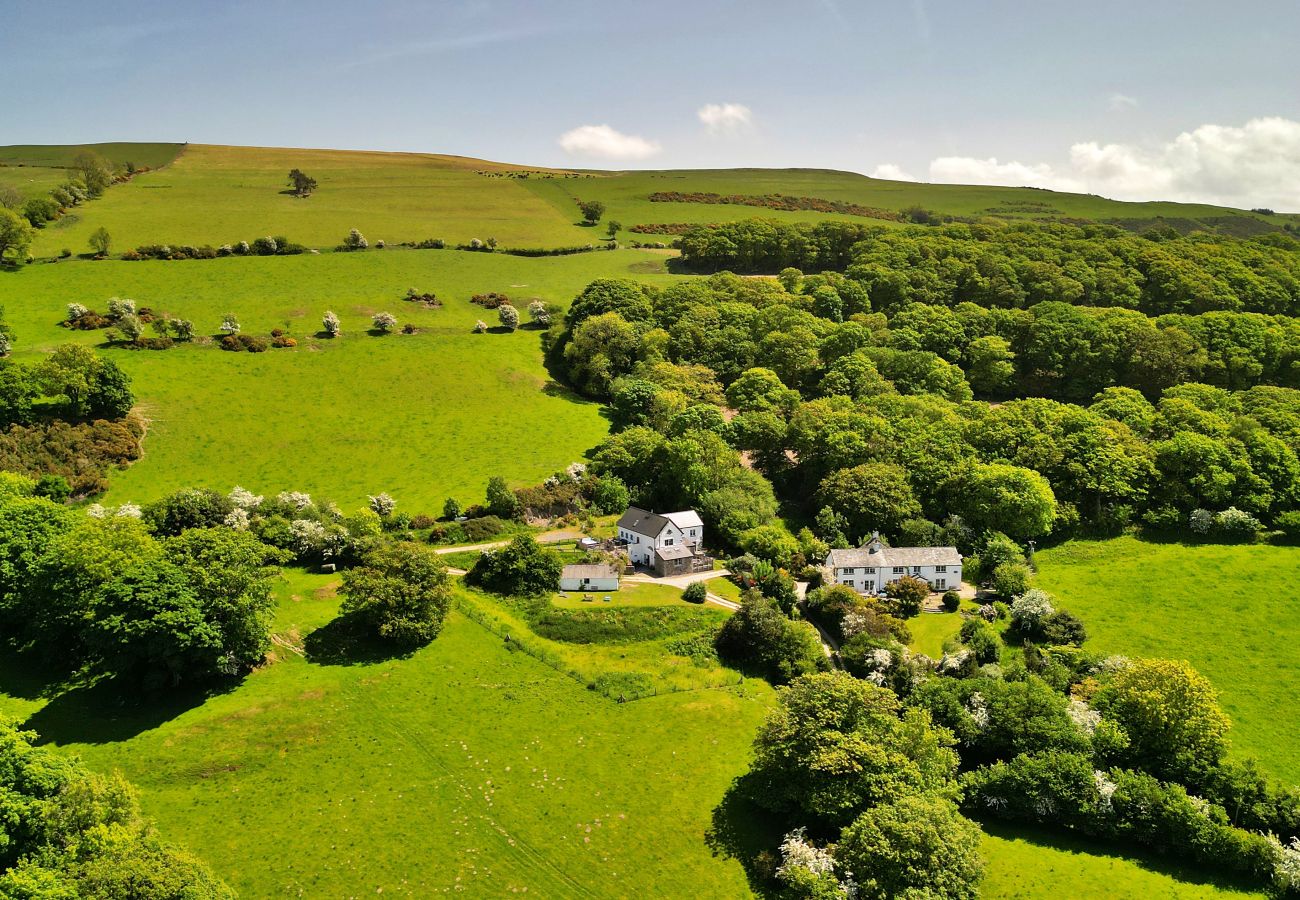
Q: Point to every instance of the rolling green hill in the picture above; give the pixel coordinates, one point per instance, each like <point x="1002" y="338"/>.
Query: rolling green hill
<point x="466" y="766"/>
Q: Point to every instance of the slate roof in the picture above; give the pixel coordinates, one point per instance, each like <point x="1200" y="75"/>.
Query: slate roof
<point x="680" y="551"/>
<point x="688" y="518"/>
<point x="888" y="557"/>
<point x="589" y="571"/>
<point x="642" y="522"/>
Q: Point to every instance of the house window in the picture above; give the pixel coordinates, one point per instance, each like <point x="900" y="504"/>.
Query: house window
<point x="848" y="571"/>
<point x="941" y="568"/>
<point x="916" y="570"/>
<point x="869" y="585"/>
<point x="940" y="584"/>
<point x="870" y="570"/>
<point x="692" y="532"/>
<point x="899" y="570"/>
<point x="849" y="583"/>
<point x="668" y="543"/>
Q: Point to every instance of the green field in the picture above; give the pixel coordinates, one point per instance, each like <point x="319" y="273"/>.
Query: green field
<point x="463" y="767"/>
<point x="221" y="195"/>
<point x="34" y="169"/>
<point x="1229" y="610"/>
<point x="481" y="764"/>
<point x="421" y="416"/>
<point x="625" y="197"/>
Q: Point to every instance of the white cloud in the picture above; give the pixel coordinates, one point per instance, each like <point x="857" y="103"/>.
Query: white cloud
<point x="1121" y="102"/>
<point x="607" y="143"/>
<point x="891" y="172"/>
<point x="969" y="170"/>
<point x="1255" y="164"/>
<point x="725" y="118"/>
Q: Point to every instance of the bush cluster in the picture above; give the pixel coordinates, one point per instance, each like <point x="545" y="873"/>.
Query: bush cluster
<point x="777" y="201"/>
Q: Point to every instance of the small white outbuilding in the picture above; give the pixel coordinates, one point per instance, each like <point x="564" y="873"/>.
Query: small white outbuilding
<point x="589" y="578"/>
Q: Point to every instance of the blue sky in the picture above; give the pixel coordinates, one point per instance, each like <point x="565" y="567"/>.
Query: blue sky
<point x="1187" y="100"/>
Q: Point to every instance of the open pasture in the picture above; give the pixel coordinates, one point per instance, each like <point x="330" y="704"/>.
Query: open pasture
<point x="421" y="416"/>
<point x="1227" y="609"/>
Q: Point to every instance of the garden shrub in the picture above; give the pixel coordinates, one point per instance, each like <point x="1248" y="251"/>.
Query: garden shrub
<point x="951" y="601"/>
<point x="482" y="528"/>
<point x="695" y="592"/>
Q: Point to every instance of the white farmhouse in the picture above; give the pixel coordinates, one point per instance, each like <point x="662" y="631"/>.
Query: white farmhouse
<point x="668" y="543"/>
<point x="869" y="568"/>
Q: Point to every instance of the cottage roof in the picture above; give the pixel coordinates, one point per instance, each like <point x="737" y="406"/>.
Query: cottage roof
<point x="680" y="551"/>
<point x="589" y="571"/>
<point x="688" y="518"/>
<point x="642" y="522"/>
<point x="880" y="556"/>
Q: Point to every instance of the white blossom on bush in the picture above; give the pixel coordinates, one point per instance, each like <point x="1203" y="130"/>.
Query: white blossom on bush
<point x="576" y="471"/>
<point x="383" y="505"/>
<point x="480" y="327"/>
<point x="242" y="248"/>
<point x="990" y="670"/>
<point x="797" y="852"/>
<point x="384" y="321"/>
<point x="1234" y="522"/>
<point x="296" y="499"/>
<point x="225" y="250"/>
<point x="476" y="244"/>
<point x="308" y="535"/>
<point x="1201" y="521"/>
<point x="120" y="306"/>
<point x="988" y="612"/>
<point x="1112" y="664"/>
<point x="1084" y="716"/>
<point x="955" y="663"/>
<point x="1286" y="867"/>
<point x="508" y="315"/>
<point x="853" y="624"/>
<point x="330" y="322"/>
<point x="1030" y="608"/>
<point x="979" y="710"/>
<point x="355" y="241"/>
<point x="538" y="312"/>
<point x="76" y="311"/>
<point x="129" y="511"/>
<point x="1105" y="787"/>
<point x="245" y="499"/>
<point x="130" y="326"/>
<point x="230" y="324"/>
<point x="237" y="519"/>
<point x="96" y="511"/>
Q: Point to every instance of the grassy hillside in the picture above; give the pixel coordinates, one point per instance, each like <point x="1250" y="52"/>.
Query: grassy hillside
<point x="1229" y="610"/>
<point x="216" y="195"/>
<point x="467" y="767"/>
<point x="220" y="195"/>
<point x="625" y="196"/>
<point x="36" y="168"/>
<point x="154" y="156"/>
<point x="421" y="416"/>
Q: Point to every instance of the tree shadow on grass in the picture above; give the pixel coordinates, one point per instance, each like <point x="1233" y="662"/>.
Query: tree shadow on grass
<point x="1151" y="862"/>
<point x="113" y="710"/>
<point x="347" y="642"/>
<point x="749" y="834"/>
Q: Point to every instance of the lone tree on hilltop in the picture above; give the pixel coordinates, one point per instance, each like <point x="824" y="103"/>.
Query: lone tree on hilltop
<point x="592" y="210"/>
<point x="302" y="183"/>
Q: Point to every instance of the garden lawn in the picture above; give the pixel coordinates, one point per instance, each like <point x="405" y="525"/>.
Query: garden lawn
<point x="931" y="630"/>
<point x="1228" y="609"/>
<point x="463" y="767"/>
<point x="422" y="416"/>
<point x="220" y="195"/>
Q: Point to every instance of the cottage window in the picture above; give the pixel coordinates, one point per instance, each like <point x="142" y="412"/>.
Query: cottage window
<point x="941" y="568"/>
<point x="668" y="542"/>
<point x="940" y="584"/>
<point x="869" y="585"/>
<point x="899" y="570"/>
<point x="849" y="583"/>
<point x="848" y="571"/>
<point x="870" y="570"/>
<point x="916" y="570"/>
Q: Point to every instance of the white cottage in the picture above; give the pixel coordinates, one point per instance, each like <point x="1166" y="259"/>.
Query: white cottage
<point x="668" y="543"/>
<point x="869" y="568"/>
<point x="589" y="578"/>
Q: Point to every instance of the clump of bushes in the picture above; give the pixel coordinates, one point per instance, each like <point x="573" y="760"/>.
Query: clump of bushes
<point x="428" y="299"/>
<point x="1230" y="524"/>
<point x="263" y="246"/>
<point x="354" y="241"/>
<point x="250" y="342"/>
<point x="490" y="300"/>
